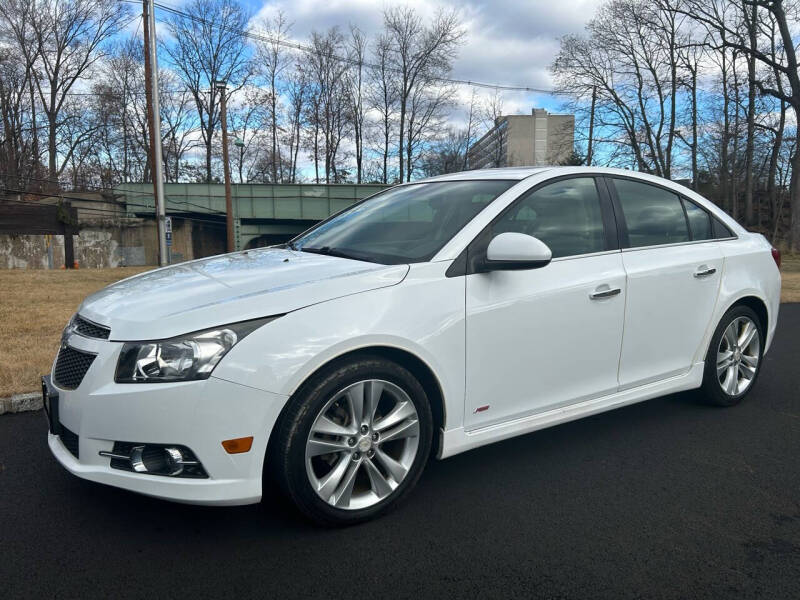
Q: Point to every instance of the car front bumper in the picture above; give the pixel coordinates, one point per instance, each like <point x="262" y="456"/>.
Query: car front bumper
<point x="199" y="415"/>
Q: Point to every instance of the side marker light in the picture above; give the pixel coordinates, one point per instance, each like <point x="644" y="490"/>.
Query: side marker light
<point x="238" y="445"/>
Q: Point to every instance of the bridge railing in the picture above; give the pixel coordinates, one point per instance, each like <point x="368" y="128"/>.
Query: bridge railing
<point x="297" y="202"/>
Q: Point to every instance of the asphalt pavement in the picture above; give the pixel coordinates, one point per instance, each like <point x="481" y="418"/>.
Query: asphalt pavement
<point x="664" y="499"/>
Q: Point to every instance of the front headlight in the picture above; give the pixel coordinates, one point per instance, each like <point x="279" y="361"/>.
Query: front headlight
<point x="183" y="358"/>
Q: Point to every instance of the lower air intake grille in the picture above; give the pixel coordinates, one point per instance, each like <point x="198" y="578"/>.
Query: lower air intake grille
<point x="71" y="367"/>
<point x="70" y="441"/>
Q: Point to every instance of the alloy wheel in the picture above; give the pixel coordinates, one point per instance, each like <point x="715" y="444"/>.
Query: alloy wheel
<point x="738" y="356"/>
<point x="362" y="444"/>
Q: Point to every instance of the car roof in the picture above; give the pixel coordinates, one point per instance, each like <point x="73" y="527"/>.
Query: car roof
<point x="516" y="173"/>
<point x="520" y="173"/>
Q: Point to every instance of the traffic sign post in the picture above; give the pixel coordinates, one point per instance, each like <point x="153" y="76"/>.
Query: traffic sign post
<point x="168" y="235"/>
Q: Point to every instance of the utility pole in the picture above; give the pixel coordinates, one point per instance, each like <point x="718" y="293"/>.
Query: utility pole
<point x="223" y="117"/>
<point x="591" y="128"/>
<point x="154" y="120"/>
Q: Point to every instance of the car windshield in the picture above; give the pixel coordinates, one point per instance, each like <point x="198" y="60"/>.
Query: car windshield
<point x="406" y="224"/>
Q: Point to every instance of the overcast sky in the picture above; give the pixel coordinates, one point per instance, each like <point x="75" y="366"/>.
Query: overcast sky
<point x="508" y="42"/>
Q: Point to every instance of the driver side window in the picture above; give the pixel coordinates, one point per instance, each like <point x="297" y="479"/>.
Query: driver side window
<point x="565" y="215"/>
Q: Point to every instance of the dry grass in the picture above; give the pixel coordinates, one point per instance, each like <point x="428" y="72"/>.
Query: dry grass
<point x="34" y="308"/>
<point x="790" y="274"/>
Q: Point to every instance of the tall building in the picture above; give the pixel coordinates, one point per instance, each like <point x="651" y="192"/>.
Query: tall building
<point x="540" y="138"/>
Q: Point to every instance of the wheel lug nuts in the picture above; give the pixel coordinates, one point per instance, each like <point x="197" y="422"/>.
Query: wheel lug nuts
<point x="375" y="437"/>
<point x="356" y="455"/>
<point x="371" y="453"/>
<point x="364" y="429"/>
<point x="351" y="441"/>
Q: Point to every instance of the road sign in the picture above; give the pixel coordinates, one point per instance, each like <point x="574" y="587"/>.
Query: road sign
<point x="168" y="230"/>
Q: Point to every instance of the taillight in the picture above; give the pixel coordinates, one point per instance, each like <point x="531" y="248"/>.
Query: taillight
<point x="776" y="256"/>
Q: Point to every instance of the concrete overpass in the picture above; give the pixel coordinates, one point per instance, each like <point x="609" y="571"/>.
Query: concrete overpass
<point x="263" y="213"/>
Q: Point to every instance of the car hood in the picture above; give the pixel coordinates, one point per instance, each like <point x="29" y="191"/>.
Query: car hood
<point x="229" y="288"/>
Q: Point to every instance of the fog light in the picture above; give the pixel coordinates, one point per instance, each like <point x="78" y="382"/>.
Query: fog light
<point x="174" y="459"/>
<point x="155" y="459"/>
<point x="137" y="459"/>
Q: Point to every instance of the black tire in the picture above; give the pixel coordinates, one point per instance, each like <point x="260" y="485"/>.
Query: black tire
<point x="288" y="453"/>
<point x="712" y="390"/>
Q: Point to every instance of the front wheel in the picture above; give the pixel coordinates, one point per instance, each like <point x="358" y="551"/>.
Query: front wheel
<point x="734" y="357"/>
<point x="354" y="441"/>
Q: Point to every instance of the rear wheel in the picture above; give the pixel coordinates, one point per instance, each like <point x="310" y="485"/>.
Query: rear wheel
<point x="354" y="441"/>
<point x="734" y="357"/>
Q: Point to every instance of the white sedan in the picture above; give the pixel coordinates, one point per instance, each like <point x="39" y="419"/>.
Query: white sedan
<point x="432" y="318"/>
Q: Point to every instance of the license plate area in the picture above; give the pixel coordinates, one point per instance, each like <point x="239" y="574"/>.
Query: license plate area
<point x="50" y="404"/>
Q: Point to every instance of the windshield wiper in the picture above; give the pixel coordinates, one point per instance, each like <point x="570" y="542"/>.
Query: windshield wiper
<point x="291" y="246"/>
<point x="328" y="251"/>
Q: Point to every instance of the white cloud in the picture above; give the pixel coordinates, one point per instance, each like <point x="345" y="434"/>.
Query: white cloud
<point x="509" y="42"/>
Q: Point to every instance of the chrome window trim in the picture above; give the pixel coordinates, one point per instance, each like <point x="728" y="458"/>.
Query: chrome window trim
<point x="587" y="255"/>
<point x="688" y="243"/>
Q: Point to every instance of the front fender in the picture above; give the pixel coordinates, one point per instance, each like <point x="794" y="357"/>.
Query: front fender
<point x="423" y="315"/>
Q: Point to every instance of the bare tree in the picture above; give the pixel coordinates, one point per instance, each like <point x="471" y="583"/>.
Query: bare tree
<point x="425" y="110"/>
<point x="629" y="63"/>
<point x="355" y="83"/>
<point x="491" y="113"/>
<point x="469" y="134"/>
<point x="325" y="72"/>
<point x="689" y="55"/>
<point x="176" y="123"/>
<point x="750" y="21"/>
<point x="272" y="62"/>
<point x="383" y="98"/>
<point x="297" y="91"/>
<point x="769" y="16"/>
<point x="419" y="55"/>
<point x="18" y="61"/>
<point x="69" y="36"/>
<point x="208" y="46"/>
<point x="447" y="154"/>
<point x="119" y="86"/>
<point x="250" y="120"/>
<point x="18" y="154"/>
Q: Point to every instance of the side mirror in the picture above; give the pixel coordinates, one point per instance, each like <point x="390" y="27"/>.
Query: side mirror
<point x="516" y="251"/>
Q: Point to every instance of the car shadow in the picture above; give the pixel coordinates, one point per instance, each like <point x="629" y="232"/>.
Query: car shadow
<point x="536" y="460"/>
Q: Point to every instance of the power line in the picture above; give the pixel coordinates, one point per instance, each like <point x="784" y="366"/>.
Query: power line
<point x="310" y="50"/>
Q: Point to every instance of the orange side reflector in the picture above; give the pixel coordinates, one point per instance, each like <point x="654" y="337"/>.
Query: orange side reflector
<point x="238" y="445"/>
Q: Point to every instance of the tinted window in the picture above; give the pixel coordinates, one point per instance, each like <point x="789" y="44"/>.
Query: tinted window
<point x="565" y="215"/>
<point x="654" y="216"/>
<point x="699" y="221"/>
<point x="405" y="224"/>
<point x="721" y="230"/>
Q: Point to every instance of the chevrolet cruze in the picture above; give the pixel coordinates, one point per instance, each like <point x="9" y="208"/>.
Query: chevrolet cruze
<point x="432" y="318"/>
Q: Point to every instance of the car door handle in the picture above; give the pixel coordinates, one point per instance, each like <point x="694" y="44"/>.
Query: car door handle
<point x="606" y="292"/>
<point x="704" y="271"/>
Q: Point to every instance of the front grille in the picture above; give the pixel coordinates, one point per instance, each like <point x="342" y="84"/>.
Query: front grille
<point x="89" y="329"/>
<point x="71" y="366"/>
<point x="70" y="441"/>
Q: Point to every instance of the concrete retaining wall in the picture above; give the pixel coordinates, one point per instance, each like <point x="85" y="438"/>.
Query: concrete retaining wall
<point x="109" y="244"/>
